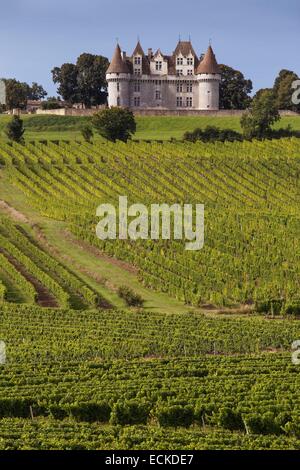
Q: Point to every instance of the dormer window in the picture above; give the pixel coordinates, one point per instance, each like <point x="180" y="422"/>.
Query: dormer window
<point x="137" y="60"/>
<point x="137" y="71"/>
<point x="158" y="65"/>
<point x="190" y="61"/>
<point x="179" y="61"/>
<point x="190" y="72"/>
<point x="179" y="72"/>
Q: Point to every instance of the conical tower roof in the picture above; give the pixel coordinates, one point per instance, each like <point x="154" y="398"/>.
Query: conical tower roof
<point x="138" y="50"/>
<point x="117" y="64"/>
<point x="209" y="63"/>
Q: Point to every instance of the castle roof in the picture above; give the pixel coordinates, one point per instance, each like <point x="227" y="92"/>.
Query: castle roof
<point x="185" y="48"/>
<point x="117" y="65"/>
<point x="138" y="49"/>
<point x="209" y="63"/>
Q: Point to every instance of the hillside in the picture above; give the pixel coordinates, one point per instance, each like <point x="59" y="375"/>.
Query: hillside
<point x="197" y="366"/>
<point x="148" y="127"/>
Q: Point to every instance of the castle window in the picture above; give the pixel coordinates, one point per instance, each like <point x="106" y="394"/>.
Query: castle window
<point x="137" y="61"/>
<point x="137" y="101"/>
<point x="189" y="102"/>
<point x="179" y="87"/>
<point x="179" y="61"/>
<point x="157" y="95"/>
<point x="118" y="101"/>
<point x="158" y="65"/>
<point x="118" y="86"/>
<point x="179" y="73"/>
<point x="190" y="72"/>
<point x="179" y="101"/>
<point x="189" y="87"/>
<point x="137" y="71"/>
<point x="137" y="86"/>
<point x="190" y="61"/>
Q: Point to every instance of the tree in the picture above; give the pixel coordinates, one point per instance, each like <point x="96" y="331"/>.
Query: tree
<point x="66" y="77"/>
<point x="16" y="93"/>
<point x="83" y="82"/>
<point x="234" y="89"/>
<point x="92" y="79"/>
<point x="263" y="113"/>
<point x="87" y="133"/>
<point x="115" y="123"/>
<point x="14" y="129"/>
<point x="283" y="90"/>
<point x="36" y="92"/>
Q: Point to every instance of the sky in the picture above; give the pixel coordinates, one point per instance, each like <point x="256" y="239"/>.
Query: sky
<point x="257" y="37"/>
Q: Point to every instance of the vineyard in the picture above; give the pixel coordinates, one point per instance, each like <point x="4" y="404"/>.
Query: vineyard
<point x="72" y="378"/>
<point x="83" y="374"/>
<point x="250" y="191"/>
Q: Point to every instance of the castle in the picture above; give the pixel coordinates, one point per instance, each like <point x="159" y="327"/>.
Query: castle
<point x="178" y="81"/>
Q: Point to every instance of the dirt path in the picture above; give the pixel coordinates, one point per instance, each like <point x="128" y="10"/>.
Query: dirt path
<point x="44" y="297"/>
<point x="99" y="254"/>
<point x="13" y="213"/>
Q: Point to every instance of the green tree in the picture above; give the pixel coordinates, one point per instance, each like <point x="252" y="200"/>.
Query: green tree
<point x="87" y="133"/>
<point x="36" y="92"/>
<point x="52" y="103"/>
<point x="114" y="123"/>
<point x="66" y="78"/>
<point x="283" y="90"/>
<point x="92" y="86"/>
<point x="83" y="82"/>
<point x="263" y="113"/>
<point x="14" y="129"/>
<point x="234" y="89"/>
<point x="16" y="93"/>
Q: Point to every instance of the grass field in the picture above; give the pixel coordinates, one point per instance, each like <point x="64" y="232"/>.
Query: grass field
<point x="148" y="127"/>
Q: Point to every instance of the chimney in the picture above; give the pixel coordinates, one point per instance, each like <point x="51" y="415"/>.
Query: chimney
<point x="123" y="55"/>
<point x="150" y="53"/>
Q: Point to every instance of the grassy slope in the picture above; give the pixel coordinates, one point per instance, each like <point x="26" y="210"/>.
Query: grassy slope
<point x="73" y="255"/>
<point x="148" y="127"/>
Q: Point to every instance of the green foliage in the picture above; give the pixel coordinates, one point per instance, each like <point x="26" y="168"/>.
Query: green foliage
<point x="231" y="419"/>
<point x="130" y="412"/>
<point x="15" y="130"/>
<point x="131" y="298"/>
<point x="175" y="416"/>
<point x="52" y="103"/>
<point x="272" y="306"/>
<point x="212" y="134"/>
<point x="234" y="89"/>
<point x="263" y="113"/>
<point x="83" y="82"/>
<point x="283" y="90"/>
<point x="91" y="411"/>
<point x="115" y="124"/>
<point x="262" y="424"/>
<point x="87" y="133"/>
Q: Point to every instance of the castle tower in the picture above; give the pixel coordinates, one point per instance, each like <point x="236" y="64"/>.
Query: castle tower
<point x="208" y="76"/>
<point x="118" y="77"/>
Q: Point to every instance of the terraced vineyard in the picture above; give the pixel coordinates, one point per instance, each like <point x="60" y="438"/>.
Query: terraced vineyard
<point x="250" y="191"/>
<point x="81" y="374"/>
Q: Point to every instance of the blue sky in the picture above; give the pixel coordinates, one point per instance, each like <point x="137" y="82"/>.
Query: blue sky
<point x="257" y="37"/>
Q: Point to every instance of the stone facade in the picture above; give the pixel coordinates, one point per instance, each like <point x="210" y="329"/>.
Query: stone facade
<point x="182" y="81"/>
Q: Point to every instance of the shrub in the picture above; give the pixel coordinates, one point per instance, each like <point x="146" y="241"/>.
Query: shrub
<point x="131" y="298"/>
<point x="212" y="134"/>
<point x="87" y="133"/>
<point x="265" y="424"/>
<point x="130" y="412"/>
<point x="231" y="419"/>
<point x="273" y="306"/>
<point x="115" y="123"/>
<point x="14" y="129"/>
<point x="175" y="415"/>
<point x="91" y="411"/>
<point x="15" y="407"/>
<point x="292" y="308"/>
